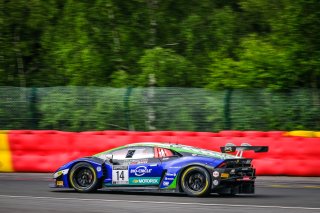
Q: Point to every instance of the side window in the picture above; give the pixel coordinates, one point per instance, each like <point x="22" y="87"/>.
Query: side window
<point x="143" y="152"/>
<point x="133" y="153"/>
<point x="120" y="154"/>
<point x="163" y="153"/>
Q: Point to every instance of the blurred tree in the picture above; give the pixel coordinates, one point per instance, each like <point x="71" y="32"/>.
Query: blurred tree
<point x="169" y="68"/>
<point x="22" y="25"/>
<point x="273" y="51"/>
<point x="57" y="42"/>
<point x="120" y="79"/>
<point x="259" y="64"/>
<point x="69" y="50"/>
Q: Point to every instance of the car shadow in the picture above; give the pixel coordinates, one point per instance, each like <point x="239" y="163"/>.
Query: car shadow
<point x="71" y="191"/>
<point x="159" y="194"/>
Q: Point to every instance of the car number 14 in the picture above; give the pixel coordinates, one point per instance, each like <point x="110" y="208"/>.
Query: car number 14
<point x="120" y="175"/>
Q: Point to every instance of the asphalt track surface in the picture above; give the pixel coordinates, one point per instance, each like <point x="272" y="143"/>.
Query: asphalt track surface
<point x="25" y="192"/>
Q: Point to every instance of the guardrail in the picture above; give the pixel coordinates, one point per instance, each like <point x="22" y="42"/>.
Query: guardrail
<point x="46" y="150"/>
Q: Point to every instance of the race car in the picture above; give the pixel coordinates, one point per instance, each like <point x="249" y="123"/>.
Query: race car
<point x="162" y="167"/>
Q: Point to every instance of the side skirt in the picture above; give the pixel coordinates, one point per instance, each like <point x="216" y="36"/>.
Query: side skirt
<point x="138" y="189"/>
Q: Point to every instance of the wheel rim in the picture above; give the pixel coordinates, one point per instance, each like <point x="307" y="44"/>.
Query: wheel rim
<point x="84" y="177"/>
<point x="195" y="181"/>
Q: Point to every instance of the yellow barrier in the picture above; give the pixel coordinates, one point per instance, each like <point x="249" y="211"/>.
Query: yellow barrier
<point x="5" y="153"/>
<point x="301" y="133"/>
<point x="316" y="134"/>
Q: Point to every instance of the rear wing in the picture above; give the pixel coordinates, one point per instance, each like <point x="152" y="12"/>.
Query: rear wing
<point x="244" y="147"/>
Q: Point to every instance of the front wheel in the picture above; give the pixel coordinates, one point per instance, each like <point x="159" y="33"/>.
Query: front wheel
<point x="83" y="177"/>
<point x="195" y="181"/>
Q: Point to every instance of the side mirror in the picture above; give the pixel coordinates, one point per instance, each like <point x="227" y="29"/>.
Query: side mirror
<point x="109" y="157"/>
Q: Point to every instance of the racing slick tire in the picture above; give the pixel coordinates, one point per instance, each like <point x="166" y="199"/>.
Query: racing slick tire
<point x="83" y="177"/>
<point x="195" y="181"/>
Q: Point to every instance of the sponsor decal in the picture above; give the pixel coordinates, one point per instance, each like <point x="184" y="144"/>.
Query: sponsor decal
<point x="59" y="183"/>
<point x="165" y="183"/>
<point x="215" y="174"/>
<point x="98" y="169"/>
<point x="224" y="175"/>
<point x="116" y="167"/>
<point x="171" y="174"/>
<point x="140" y="171"/>
<point x="228" y="149"/>
<point x="215" y="182"/>
<point x="169" y="178"/>
<point x="145" y="181"/>
<point x="134" y="162"/>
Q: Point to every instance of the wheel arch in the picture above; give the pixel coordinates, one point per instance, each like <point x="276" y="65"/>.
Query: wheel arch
<point x="209" y="169"/>
<point x="97" y="166"/>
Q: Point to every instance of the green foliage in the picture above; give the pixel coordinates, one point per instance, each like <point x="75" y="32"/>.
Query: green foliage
<point x="259" y="64"/>
<point x="228" y="44"/>
<point x="120" y="79"/>
<point x="168" y="67"/>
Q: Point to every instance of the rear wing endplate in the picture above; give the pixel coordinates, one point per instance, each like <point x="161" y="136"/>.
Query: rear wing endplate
<point x="244" y="147"/>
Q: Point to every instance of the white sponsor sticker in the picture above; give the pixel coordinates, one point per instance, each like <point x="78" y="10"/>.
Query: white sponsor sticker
<point x="140" y="171"/>
<point x="165" y="183"/>
<point x="215" y="174"/>
<point x="171" y="174"/>
<point x="120" y="175"/>
<point x="169" y="178"/>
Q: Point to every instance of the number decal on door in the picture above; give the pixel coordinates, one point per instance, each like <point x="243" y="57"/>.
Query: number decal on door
<point x="120" y="175"/>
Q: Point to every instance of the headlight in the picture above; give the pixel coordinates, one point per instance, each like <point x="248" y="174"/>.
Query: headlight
<point x="61" y="172"/>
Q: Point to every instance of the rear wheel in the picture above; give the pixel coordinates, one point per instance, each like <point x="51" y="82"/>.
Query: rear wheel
<point x="195" y="181"/>
<point x="83" y="177"/>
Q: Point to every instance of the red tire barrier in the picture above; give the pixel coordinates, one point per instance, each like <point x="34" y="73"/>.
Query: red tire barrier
<point x="231" y="133"/>
<point x="46" y="150"/>
<point x="254" y="134"/>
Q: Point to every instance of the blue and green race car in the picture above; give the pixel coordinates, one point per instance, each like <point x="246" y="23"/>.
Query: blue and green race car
<point x="162" y="167"/>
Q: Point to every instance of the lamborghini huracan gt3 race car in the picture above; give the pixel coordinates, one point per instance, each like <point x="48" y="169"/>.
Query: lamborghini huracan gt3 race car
<point x="162" y="167"/>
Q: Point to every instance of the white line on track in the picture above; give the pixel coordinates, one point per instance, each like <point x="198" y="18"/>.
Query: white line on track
<point x="162" y="202"/>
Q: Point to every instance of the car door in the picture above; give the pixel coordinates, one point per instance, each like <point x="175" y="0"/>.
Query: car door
<point x="136" y="166"/>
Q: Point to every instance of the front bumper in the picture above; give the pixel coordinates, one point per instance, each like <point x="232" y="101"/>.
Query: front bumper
<point x="60" y="181"/>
